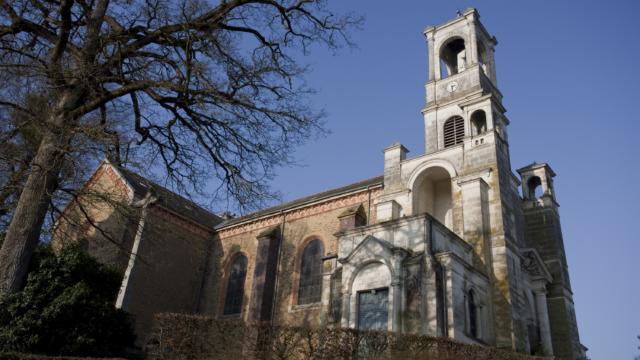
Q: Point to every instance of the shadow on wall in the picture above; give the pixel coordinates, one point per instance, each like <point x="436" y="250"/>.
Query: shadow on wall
<point x="287" y="310"/>
<point x="216" y="279"/>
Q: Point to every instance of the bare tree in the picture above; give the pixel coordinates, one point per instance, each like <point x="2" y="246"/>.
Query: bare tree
<point x="19" y="139"/>
<point x="20" y="135"/>
<point x="211" y="90"/>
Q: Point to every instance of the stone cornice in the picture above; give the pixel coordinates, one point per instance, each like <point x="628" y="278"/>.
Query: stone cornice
<point x="301" y="212"/>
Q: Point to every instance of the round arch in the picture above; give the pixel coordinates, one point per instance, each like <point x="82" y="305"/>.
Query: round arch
<point x="449" y="55"/>
<point x="448" y="166"/>
<point x="360" y="266"/>
<point x="453" y="37"/>
<point x="534" y="188"/>
<point x="478" y="122"/>
<point x="372" y="275"/>
<point x="432" y="193"/>
<point x="307" y="240"/>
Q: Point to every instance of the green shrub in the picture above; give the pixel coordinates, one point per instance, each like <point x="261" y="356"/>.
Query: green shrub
<point x="66" y="308"/>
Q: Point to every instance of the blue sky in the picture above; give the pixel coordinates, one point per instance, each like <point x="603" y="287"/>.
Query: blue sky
<point x="569" y="74"/>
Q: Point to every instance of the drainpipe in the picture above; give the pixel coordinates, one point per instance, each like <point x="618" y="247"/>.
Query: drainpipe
<point x="124" y="286"/>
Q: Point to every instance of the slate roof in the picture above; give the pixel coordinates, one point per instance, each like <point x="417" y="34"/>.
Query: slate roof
<point x="168" y="199"/>
<point x="305" y="200"/>
<point x="187" y="208"/>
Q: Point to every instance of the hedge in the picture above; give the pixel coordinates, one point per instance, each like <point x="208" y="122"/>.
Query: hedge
<point x="20" y="356"/>
<point x="179" y="336"/>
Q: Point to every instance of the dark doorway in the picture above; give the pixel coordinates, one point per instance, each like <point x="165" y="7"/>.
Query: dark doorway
<point x="373" y="309"/>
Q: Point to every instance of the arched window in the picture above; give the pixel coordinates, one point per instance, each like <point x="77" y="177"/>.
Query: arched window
<point x="473" y="314"/>
<point x="453" y="131"/>
<point x="453" y="58"/>
<point x="478" y="122"/>
<point x="235" y="286"/>
<point x="310" y="286"/>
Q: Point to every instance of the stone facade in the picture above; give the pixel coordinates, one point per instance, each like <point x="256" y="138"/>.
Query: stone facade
<point x="442" y="244"/>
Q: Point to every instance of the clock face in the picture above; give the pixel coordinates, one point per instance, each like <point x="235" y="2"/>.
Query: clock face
<point x="452" y="86"/>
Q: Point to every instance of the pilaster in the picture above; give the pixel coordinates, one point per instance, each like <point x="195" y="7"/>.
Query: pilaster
<point x="540" y="293"/>
<point x="475" y="215"/>
<point x="397" y="289"/>
<point x="266" y="264"/>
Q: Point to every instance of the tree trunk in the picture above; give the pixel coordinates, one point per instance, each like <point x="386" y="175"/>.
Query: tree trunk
<point x="24" y="230"/>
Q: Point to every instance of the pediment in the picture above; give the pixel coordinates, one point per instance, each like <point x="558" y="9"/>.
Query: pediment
<point x="370" y="247"/>
<point x="533" y="265"/>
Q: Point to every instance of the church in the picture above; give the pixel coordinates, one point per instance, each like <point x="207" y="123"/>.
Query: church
<point x="449" y="243"/>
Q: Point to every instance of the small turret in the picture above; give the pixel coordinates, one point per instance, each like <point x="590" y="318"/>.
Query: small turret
<point x="543" y="233"/>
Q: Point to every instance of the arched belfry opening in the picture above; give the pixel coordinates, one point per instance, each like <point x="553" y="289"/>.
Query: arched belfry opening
<point x="534" y="188"/>
<point x="478" y="122"/>
<point x="453" y="57"/>
<point x="432" y="194"/>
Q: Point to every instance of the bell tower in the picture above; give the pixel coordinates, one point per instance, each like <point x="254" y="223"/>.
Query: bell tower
<point x="462" y="79"/>
<point x="465" y="124"/>
<point x="465" y="183"/>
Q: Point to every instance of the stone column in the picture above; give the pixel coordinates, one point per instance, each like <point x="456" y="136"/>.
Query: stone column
<point x="396" y="285"/>
<point x="396" y="288"/>
<point x="345" y="315"/>
<point x="540" y="293"/>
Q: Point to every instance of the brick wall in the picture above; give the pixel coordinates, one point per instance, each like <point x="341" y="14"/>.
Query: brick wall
<point x="316" y="221"/>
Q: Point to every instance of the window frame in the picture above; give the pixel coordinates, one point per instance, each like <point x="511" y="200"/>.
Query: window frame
<point x="298" y="287"/>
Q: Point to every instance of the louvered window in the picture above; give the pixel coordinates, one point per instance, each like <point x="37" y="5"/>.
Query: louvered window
<point x="310" y="287"/>
<point x="235" y="286"/>
<point x="453" y="131"/>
